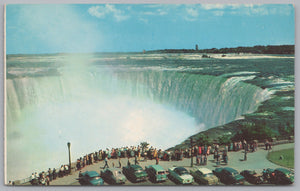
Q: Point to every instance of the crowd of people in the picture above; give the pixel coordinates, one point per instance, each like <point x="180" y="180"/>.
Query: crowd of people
<point x="44" y="178"/>
<point x="140" y="153"/>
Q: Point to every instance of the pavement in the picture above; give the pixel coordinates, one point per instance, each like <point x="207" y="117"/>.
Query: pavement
<point x="255" y="161"/>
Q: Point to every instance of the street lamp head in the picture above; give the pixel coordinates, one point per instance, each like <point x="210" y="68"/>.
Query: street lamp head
<point x="69" y="144"/>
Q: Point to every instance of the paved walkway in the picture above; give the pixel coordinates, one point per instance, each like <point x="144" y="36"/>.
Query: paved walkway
<point x="255" y="161"/>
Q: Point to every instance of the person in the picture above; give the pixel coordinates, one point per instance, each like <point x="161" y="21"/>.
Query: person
<point x="225" y="157"/>
<point x="66" y="171"/>
<point x="245" y="155"/>
<point x="54" y="174"/>
<point x="43" y="181"/>
<point x="135" y="160"/>
<point x="47" y="180"/>
<point x="106" y="160"/>
<point x="266" y="144"/>
<point x="50" y="174"/>
<point x="120" y="165"/>
<point x="218" y="158"/>
<point x="32" y="176"/>
<point x="157" y="160"/>
<point x="215" y="155"/>
<point x="10" y="183"/>
<point x="61" y="171"/>
<point x="128" y="162"/>
<point x="139" y="154"/>
<point x="78" y="166"/>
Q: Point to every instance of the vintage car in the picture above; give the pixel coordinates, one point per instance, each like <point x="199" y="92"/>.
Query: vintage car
<point x="229" y="175"/>
<point x="156" y="173"/>
<point x="252" y="177"/>
<point x="269" y="176"/>
<point x="91" y="178"/>
<point x="113" y="176"/>
<point x="283" y="176"/>
<point x="180" y="175"/>
<point x="135" y="173"/>
<point x="204" y="176"/>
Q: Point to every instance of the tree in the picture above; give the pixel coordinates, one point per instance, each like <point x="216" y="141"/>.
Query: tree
<point x="256" y="132"/>
<point x="144" y="146"/>
<point x="225" y="140"/>
<point x="204" y="140"/>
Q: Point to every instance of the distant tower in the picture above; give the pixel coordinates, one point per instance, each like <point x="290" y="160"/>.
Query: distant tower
<point x="196" y="47"/>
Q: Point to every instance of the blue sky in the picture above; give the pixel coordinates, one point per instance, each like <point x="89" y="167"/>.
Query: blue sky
<point x="33" y="29"/>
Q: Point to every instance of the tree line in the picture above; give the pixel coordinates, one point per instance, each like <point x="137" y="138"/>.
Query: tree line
<point x="270" y="49"/>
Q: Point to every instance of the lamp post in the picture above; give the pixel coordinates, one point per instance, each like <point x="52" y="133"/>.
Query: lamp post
<point x="69" y="145"/>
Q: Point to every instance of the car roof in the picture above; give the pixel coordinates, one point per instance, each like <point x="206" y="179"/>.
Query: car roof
<point x="135" y="166"/>
<point x="180" y="168"/>
<point x="113" y="169"/>
<point x="285" y="171"/>
<point x="157" y="167"/>
<point x="204" y="170"/>
<point x="91" y="173"/>
<point x="230" y="169"/>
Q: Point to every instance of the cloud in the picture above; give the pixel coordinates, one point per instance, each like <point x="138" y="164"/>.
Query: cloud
<point x="144" y="20"/>
<point x="107" y="10"/>
<point x="192" y="12"/>
<point x="247" y="9"/>
<point x="53" y="28"/>
<point x="213" y="6"/>
<point x="158" y="12"/>
<point x="218" y="13"/>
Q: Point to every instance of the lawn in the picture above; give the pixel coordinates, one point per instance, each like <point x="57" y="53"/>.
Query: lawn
<point x="288" y="157"/>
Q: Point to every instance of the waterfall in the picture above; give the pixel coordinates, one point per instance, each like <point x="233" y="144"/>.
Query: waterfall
<point x="99" y="106"/>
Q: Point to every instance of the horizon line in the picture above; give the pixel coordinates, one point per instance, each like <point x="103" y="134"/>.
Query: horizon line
<point x="119" y="52"/>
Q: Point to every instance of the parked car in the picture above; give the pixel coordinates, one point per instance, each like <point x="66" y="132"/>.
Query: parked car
<point x="90" y="178"/>
<point x="204" y="176"/>
<point x="135" y="173"/>
<point x="269" y="176"/>
<point x="113" y="176"/>
<point x="252" y="177"/>
<point x="283" y="176"/>
<point x="156" y="173"/>
<point x="229" y="175"/>
<point x="180" y="175"/>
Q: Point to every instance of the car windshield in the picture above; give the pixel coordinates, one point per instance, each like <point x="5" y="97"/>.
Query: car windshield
<point x="138" y="169"/>
<point x="182" y="172"/>
<point x="96" y="178"/>
<point x="161" y="172"/>
<point x="208" y="175"/>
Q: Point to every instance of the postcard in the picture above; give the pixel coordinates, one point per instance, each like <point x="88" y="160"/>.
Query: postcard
<point x="149" y="94"/>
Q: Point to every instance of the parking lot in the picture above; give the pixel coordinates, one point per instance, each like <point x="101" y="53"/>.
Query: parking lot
<point x="255" y="161"/>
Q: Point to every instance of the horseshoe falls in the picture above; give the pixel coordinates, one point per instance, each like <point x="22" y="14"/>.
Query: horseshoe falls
<point x="99" y="101"/>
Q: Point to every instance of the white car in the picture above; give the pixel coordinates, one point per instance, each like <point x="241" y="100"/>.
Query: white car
<point x="180" y="175"/>
<point x="204" y="176"/>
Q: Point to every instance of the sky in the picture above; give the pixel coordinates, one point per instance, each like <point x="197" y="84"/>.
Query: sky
<point x="56" y="28"/>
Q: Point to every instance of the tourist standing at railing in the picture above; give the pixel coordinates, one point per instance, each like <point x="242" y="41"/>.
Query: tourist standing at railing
<point x="54" y="174"/>
<point x="50" y="174"/>
<point x="67" y="170"/>
<point x="32" y="176"/>
<point x="43" y="181"/>
<point x="47" y="180"/>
